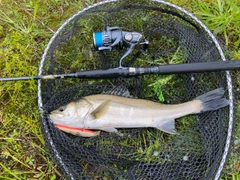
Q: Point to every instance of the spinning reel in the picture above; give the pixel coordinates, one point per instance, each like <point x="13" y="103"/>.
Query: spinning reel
<point x="114" y="36"/>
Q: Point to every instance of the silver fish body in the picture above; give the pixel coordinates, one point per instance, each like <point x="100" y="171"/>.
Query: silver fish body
<point x="108" y="112"/>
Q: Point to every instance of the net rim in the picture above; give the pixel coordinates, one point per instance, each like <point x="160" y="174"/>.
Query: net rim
<point x="200" y="23"/>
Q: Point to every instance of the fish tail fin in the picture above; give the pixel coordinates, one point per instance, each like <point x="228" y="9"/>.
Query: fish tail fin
<point x="210" y="101"/>
<point x="213" y="100"/>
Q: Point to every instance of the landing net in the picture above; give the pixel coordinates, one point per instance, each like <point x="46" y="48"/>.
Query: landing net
<point x="198" y="151"/>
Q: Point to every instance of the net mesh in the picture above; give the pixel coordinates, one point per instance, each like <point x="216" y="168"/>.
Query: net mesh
<point x="143" y="153"/>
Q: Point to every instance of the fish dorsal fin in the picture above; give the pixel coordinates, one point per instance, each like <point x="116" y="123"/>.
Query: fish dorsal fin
<point x="168" y="126"/>
<point x="101" y="110"/>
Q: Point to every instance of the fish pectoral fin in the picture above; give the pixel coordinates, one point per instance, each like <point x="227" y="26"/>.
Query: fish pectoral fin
<point x="112" y="129"/>
<point x="101" y="110"/>
<point x="167" y="126"/>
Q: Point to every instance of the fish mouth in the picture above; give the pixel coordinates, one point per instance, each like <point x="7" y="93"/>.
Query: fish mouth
<point x="59" y="115"/>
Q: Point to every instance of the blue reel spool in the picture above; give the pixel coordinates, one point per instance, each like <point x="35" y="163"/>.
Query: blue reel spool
<point x="98" y="39"/>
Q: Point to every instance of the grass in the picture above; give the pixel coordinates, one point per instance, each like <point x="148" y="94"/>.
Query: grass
<point x="25" y="29"/>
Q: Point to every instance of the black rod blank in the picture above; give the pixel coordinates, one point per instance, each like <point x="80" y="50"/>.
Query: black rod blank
<point x="136" y="71"/>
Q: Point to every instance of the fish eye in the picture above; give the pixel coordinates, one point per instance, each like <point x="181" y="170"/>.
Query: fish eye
<point x="61" y="109"/>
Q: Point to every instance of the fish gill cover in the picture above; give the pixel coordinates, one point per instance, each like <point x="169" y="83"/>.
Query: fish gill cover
<point x="196" y="152"/>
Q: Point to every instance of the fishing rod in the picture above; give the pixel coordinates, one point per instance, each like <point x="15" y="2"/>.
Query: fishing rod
<point x="114" y="36"/>
<point x="138" y="71"/>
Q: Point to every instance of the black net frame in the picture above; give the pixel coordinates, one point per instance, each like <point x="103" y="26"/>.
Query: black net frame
<point x="197" y="152"/>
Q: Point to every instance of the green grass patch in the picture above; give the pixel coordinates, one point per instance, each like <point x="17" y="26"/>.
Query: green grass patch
<point x="222" y="17"/>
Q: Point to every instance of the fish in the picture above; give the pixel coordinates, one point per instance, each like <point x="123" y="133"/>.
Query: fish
<point x="109" y="112"/>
